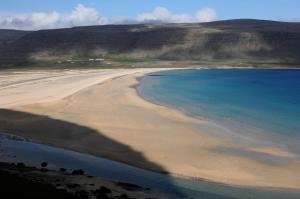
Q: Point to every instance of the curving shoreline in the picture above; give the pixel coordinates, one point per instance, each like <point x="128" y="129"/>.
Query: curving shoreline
<point x="153" y="131"/>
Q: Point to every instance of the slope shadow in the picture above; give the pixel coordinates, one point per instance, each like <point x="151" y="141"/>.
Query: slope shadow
<point x="45" y="130"/>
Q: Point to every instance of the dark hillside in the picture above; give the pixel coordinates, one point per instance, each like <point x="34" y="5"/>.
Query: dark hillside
<point x="241" y="40"/>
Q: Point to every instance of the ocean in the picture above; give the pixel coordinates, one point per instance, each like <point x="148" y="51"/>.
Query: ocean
<point x="255" y="106"/>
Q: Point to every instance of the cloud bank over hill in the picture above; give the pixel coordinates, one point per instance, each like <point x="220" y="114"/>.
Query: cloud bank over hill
<point x="161" y="14"/>
<point x="85" y="16"/>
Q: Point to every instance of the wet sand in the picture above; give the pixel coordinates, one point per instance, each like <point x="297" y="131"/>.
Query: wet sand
<point x="107" y="102"/>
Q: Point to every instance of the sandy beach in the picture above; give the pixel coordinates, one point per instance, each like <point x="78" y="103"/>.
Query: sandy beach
<point x="99" y="112"/>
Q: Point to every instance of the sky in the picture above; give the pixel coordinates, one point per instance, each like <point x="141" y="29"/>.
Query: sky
<point x="47" y="14"/>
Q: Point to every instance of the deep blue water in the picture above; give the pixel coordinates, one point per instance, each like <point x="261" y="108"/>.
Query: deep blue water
<point x="263" y="105"/>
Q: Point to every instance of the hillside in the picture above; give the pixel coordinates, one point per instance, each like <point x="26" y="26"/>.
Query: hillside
<point x="236" y="40"/>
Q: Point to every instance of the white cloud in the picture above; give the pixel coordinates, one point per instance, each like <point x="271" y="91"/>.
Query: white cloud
<point x="206" y="15"/>
<point x="80" y="16"/>
<point x="31" y="21"/>
<point x="48" y="20"/>
<point x="161" y="14"/>
<point x="83" y="15"/>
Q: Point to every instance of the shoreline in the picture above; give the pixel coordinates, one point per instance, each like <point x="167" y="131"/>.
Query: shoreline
<point x="267" y="150"/>
<point x="179" y="190"/>
<point x="35" y="165"/>
<point x="270" y="147"/>
<point x="136" y="108"/>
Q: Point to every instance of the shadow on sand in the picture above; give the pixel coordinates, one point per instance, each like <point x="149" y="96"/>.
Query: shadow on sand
<point x="45" y="130"/>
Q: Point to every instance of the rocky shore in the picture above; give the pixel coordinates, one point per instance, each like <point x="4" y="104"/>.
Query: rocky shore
<point x="21" y="181"/>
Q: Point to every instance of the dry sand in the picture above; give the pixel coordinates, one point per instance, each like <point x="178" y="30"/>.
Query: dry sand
<point x="97" y="113"/>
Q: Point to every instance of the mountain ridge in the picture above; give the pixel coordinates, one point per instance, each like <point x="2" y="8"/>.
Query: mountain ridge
<point x="241" y="40"/>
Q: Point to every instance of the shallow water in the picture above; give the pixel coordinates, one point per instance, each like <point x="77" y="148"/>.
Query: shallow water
<point x="256" y="106"/>
<point x="16" y="150"/>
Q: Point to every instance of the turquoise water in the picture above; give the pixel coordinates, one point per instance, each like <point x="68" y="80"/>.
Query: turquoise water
<point x="258" y="106"/>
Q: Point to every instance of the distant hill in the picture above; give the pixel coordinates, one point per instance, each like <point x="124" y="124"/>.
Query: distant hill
<point x="242" y="40"/>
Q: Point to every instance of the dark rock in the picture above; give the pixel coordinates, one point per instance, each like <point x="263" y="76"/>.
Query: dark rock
<point x="102" y="193"/>
<point x="129" y="186"/>
<point x="44" y="170"/>
<point x="17" y="186"/>
<point x="105" y="189"/>
<point x="62" y="169"/>
<point x="82" y="194"/>
<point x="72" y="186"/>
<point x="123" y="196"/>
<point x="20" y="165"/>
<point x="44" y="164"/>
<point x="78" y="172"/>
